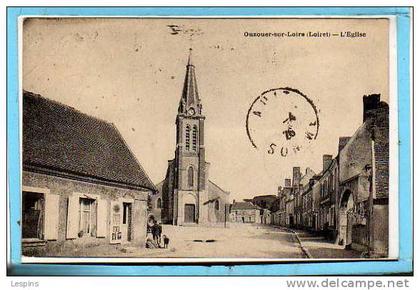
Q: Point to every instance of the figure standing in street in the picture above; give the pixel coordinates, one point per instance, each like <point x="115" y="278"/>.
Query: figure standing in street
<point x="158" y="233"/>
<point x="153" y="229"/>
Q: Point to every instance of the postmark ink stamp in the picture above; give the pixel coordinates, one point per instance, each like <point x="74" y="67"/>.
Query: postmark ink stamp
<point x="282" y="121"/>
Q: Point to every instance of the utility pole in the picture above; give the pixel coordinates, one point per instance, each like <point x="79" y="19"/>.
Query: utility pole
<point x="225" y="214"/>
<point x="368" y="169"/>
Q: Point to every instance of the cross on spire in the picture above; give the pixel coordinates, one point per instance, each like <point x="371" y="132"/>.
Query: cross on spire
<point x="190" y="57"/>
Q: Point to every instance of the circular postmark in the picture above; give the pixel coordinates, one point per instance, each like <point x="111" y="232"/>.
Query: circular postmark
<point x="282" y="121"/>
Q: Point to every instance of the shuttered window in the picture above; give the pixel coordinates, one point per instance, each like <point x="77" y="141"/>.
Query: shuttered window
<point x="86" y="211"/>
<point x="187" y="137"/>
<point x="51" y="216"/>
<point x="72" y="217"/>
<point x="194" y="138"/>
<point x="101" y="218"/>
<point x="33" y="211"/>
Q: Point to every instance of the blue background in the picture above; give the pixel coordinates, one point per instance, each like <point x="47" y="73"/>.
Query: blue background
<point x="405" y="261"/>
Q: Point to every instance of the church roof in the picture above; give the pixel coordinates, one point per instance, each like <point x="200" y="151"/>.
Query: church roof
<point x="61" y="138"/>
<point x="213" y="187"/>
<point x="190" y="97"/>
<point x="159" y="187"/>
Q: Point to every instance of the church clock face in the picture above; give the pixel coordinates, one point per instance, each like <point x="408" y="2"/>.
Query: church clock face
<point x="191" y="111"/>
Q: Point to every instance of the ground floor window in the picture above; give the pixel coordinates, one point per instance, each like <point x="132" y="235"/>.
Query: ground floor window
<point x="33" y="211"/>
<point x="87" y="217"/>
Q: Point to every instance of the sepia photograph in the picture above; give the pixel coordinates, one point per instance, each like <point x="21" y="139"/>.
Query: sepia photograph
<point x="163" y="139"/>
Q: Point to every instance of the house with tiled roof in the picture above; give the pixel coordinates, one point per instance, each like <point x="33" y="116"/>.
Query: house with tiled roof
<point x="81" y="184"/>
<point x="244" y="212"/>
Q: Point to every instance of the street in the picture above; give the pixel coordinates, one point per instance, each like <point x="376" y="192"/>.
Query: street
<point x="236" y="241"/>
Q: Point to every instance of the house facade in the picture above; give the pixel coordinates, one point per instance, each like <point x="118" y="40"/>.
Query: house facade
<point x="81" y="184"/>
<point x="309" y="222"/>
<point x="263" y="203"/>
<point x="290" y="211"/>
<point x="300" y="190"/>
<point x="275" y="212"/>
<point x="328" y="183"/>
<point x="364" y="182"/>
<point x="284" y="194"/>
<point x="297" y="211"/>
<point x="244" y="212"/>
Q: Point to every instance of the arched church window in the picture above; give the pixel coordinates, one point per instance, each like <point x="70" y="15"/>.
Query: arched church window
<point x="187" y="137"/>
<point x="216" y="205"/>
<point x="159" y="203"/>
<point x="190" y="176"/>
<point x="194" y="138"/>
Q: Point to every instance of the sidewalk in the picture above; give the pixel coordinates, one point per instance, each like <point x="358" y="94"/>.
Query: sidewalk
<point x="320" y="247"/>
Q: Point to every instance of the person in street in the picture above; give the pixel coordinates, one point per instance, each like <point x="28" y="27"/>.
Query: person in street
<point x="154" y="231"/>
<point x="158" y="233"/>
<point x="150" y="223"/>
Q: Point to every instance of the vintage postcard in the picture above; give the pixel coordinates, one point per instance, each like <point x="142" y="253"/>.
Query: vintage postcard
<point x="208" y="139"/>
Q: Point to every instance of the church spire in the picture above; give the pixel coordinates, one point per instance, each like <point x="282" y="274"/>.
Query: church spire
<point x="190" y="100"/>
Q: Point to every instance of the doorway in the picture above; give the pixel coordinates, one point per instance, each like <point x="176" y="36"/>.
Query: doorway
<point x="126" y="227"/>
<point x="291" y="221"/>
<point x="346" y="219"/>
<point x="189" y="213"/>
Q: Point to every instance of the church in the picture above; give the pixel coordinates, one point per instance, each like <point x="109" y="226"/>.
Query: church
<point x="188" y="196"/>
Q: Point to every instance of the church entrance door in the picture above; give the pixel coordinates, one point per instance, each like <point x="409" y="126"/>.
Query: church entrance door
<point x="189" y="213"/>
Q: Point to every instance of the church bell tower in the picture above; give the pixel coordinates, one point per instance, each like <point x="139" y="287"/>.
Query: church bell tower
<point x="191" y="169"/>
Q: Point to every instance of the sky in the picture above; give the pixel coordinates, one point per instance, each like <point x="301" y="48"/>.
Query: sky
<point x="130" y="72"/>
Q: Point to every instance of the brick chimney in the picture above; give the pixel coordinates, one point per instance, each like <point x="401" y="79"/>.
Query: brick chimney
<point x="287" y="182"/>
<point x="370" y="102"/>
<point x="326" y="160"/>
<point x="296" y="176"/>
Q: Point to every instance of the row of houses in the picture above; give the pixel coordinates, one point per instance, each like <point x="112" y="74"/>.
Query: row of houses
<point x="347" y="201"/>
